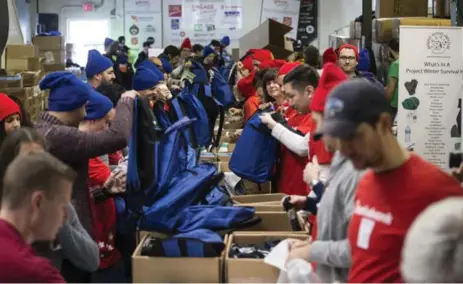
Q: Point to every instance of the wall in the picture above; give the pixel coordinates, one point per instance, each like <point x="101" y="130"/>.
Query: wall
<point x="333" y="14"/>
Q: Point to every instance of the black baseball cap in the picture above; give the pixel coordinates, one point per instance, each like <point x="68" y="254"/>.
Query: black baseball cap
<point x="351" y="103"/>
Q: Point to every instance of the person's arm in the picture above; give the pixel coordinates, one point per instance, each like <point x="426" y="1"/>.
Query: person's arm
<point x="78" y="246"/>
<point x="79" y="145"/>
<point x="392" y="79"/>
<point x="294" y="142"/>
<point x="338" y="253"/>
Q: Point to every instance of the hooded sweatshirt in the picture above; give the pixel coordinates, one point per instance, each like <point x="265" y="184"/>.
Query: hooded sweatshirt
<point x="331" y="251"/>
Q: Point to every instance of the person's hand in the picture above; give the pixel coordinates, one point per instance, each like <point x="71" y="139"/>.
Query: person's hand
<point x="311" y="171"/>
<point x="163" y="93"/>
<point x="267" y="119"/>
<point x="458" y="173"/>
<point x="130" y="94"/>
<point x="116" y="183"/>
<point x="235" y="111"/>
<point x="265" y="106"/>
<point x="297" y="201"/>
<point x="299" y="250"/>
<point x="236" y="134"/>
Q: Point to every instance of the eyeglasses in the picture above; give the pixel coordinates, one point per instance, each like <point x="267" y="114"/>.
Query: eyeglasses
<point x="345" y="58"/>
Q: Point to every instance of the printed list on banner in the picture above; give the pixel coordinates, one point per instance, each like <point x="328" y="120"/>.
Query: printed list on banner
<point x="143" y="19"/>
<point x="283" y="11"/>
<point x="202" y="21"/>
<point x="430" y="91"/>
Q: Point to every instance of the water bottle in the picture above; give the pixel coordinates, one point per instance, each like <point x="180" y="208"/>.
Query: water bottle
<point x="408" y="133"/>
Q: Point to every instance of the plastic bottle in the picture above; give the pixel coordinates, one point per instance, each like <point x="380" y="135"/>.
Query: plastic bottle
<point x="408" y="133"/>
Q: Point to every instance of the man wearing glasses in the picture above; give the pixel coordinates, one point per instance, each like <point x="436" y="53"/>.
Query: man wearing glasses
<point x="348" y="60"/>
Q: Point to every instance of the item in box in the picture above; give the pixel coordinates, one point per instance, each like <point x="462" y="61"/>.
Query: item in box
<point x="31" y="79"/>
<point x="210" y="245"/>
<point x="258" y="251"/>
<point x="245" y="187"/>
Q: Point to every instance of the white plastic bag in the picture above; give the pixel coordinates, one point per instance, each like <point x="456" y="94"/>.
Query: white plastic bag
<point x="298" y="271"/>
<point x="293" y="271"/>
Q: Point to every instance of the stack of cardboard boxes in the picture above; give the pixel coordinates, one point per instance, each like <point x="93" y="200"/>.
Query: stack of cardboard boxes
<point x="53" y="49"/>
<point x="25" y="67"/>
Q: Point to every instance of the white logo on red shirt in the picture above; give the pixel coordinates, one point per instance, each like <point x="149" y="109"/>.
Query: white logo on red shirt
<point x="373" y="213"/>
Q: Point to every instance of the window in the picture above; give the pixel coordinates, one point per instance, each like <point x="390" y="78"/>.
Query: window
<point x="86" y="35"/>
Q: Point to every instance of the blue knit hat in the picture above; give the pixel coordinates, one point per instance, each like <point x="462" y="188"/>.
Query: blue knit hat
<point x="98" y="106"/>
<point x="225" y="41"/>
<point x="96" y="63"/>
<point x="145" y="79"/>
<point x="364" y="60"/>
<point x="107" y="42"/>
<point x="148" y="64"/>
<point x="208" y="50"/>
<point x="166" y="65"/>
<point x="67" y="92"/>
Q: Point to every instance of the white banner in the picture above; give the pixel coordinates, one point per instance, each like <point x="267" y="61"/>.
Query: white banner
<point x="430" y="91"/>
<point x="283" y="11"/>
<point x="201" y="21"/>
<point x="143" y="19"/>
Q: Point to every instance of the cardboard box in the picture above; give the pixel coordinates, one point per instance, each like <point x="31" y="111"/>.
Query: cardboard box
<point x="386" y="29"/>
<point x="258" y="198"/>
<point x="268" y="35"/>
<point x="27" y="64"/>
<point x="208" y="157"/>
<point x="276" y="221"/>
<point x="262" y="207"/>
<point x="175" y="270"/>
<point x="54" y="67"/>
<point x="11" y="82"/>
<point x="401" y="8"/>
<point x="252" y="188"/>
<point x="21" y="51"/>
<point x="57" y="56"/>
<point x="223" y="167"/>
<point x="31" y="79"/>
<point x="243" y="270"/>
<point x="45" y="43"/>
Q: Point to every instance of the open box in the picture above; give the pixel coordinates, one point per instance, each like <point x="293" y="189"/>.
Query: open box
<point x="273" y="221"/>
<point x="244" y="270"/>
<point x="262" y="207"/>
<point x="258" y="198"/>
<point x="175" y="270"/>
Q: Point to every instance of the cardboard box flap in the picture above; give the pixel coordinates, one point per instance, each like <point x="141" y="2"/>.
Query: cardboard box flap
<point x="268" y="35"/>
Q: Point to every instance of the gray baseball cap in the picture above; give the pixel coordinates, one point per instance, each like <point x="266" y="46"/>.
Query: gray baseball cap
<point x="350" y="104"/>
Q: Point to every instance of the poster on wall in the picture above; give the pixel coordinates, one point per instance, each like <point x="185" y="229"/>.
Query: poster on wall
<point x="430" y="92"/>
<point x="143" y="19"/>
<point x="201" y="21"/>
<point x="283" y="11"/>
<point x="307" y="27"/>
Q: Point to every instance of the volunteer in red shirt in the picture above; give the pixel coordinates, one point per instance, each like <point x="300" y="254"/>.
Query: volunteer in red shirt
<point x="299" y="119"/>
<point x="102" y="185"/>
<point x="397" y="188"/>
<point x="37" y="189"/>
<point x="251" y="99"/>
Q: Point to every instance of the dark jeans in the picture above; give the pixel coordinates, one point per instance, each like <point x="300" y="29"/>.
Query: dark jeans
<point x="113" y="274"/>
<point x="126" y="244"/>
<point x="73" y="274"/>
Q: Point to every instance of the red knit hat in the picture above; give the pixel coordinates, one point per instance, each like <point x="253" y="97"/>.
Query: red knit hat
<point x="247" y="63"/>
<point x="287" y="67"/>
<point x="261" y="55"/>
<point x="332" y="76"/>
<point x="349" y="46"/>
<point x="275" y="63"/>
<point x="329" y="56"/>
<point x="245" y="86"/>
<point x="7" y="107"/>
<point x="186" y="44"/>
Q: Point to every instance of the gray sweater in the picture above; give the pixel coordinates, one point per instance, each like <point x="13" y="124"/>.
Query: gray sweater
<point x="74" y="244"/>
<point x="331" y="251"/>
